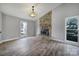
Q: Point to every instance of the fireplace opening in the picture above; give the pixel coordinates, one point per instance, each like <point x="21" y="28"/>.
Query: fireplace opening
<point x="45" y="32"/>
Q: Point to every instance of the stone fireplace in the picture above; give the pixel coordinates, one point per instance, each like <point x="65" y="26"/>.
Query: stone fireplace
<point x="45" y="24"/>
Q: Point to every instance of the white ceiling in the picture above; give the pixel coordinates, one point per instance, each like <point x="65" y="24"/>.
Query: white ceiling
<point x="23" y="10"/>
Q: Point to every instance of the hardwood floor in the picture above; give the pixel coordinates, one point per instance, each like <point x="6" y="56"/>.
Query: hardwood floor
<point x="37" y="46"/>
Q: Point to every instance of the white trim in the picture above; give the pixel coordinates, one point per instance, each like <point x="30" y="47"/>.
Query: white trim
<point x="2" y="41"/>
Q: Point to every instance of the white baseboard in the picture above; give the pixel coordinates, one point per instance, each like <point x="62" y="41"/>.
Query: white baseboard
<point x="66" y="42"/>
<point x="2" y="41"/>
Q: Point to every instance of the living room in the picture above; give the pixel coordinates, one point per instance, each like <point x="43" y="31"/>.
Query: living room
<point x="31" y="28"/>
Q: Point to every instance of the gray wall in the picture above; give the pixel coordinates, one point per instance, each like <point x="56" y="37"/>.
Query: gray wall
<point x="0" y="25"/>
<point x="58" y="19"/>
<point x="11" y="27"/>
<point x="31" y="28"/>
<point x="0" y="21"/>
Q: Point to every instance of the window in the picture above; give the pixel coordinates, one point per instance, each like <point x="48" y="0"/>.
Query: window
<point x="72" y="29"/>
<point x="23" y="28"/>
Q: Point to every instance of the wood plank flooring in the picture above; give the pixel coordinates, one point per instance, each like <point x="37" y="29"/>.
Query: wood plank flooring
<point x="37" y="46"/>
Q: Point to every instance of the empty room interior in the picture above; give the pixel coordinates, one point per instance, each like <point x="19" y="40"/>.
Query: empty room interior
<point x="39" y="29"/>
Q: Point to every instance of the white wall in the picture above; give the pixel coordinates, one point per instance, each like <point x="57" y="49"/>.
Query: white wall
<point x="58" y="19"/>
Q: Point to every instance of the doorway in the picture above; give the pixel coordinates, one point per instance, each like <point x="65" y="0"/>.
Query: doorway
<point x="23" y="28"/>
